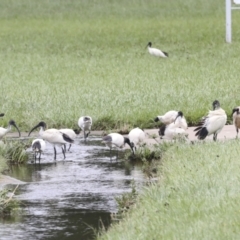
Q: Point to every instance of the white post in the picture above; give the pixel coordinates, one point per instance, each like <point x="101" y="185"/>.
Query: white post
<point x="228" y="21"/>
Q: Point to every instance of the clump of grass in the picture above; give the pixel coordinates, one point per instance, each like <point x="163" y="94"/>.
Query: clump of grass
<point x="15" y="151"/>
<point x="8" y="205"/>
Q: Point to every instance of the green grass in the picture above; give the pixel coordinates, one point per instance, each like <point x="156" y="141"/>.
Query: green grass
<point x="196" y="197"/>
<point x="63" y="59"/>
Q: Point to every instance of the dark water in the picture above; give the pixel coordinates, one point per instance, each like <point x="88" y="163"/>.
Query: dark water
<point x="71" y="198"/>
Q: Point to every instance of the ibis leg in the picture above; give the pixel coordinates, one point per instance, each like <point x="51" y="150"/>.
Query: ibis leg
<point x="55" y="153"/>
<point x="63" y="151"/>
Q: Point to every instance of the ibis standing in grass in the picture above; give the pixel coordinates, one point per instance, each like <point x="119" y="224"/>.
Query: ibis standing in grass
<point x="53" y="136"/>
<point x="213" y="123"/>
<point x="156" y="52"/>
<point x="136" y="137"/>
<point x="116" y="140"/>
<point x="85" y="123"/>
<point x="236" y="118"/>
<point x="4" y="131"/>
<point x="38" y="146"/>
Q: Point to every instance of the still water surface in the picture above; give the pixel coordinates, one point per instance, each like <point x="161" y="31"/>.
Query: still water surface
<point x="67" y="199"/>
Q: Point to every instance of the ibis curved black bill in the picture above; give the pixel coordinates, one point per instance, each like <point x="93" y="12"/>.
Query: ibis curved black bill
<point x="41" y="124"/>
<point x="12" y="122"/>
<point x="32" y="130"/>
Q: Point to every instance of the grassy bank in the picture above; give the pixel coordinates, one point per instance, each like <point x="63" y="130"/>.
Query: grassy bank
<point x="63" y="59"/>
<point x="197" y="196"/>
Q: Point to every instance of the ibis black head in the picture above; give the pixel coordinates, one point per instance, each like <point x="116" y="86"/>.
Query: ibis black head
<point x="162" y="130"/>
<point x="156" y="119"/>
<point x="127" y="141"/>
<point x="180" y="114"/>
<point x="85" y="119"/>
<point x="13" y="123"/>
<point x="235" y="110"/>
<point x="216" y="105"/>
<point x="2" y="114"/>
<point x="41" y="124"/>
<point x="149" y="44"/>
<point x="77" y="131"/>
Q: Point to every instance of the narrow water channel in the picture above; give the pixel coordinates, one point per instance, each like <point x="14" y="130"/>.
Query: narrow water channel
<point x="71" y="198"/>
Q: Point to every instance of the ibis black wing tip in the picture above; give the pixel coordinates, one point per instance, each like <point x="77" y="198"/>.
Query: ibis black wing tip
<point x="67" y="138"/>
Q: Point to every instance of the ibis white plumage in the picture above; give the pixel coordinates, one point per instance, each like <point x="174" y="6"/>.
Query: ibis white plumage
<point x="38" y="146"/>
<point x="213" y="123"/>
<point x="171" y="117"/>
<point x="236" y="118"/>
<point x="136" y="137"/>
<point x="156" y="52"/>
<point x="116" y="140"/>
<point x="85" y="123"/>
<point x="172" y="131"/>
<point x="4" y="131"/>
<point x="53" y="136"/>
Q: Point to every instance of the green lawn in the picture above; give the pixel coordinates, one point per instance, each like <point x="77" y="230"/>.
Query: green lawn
<point x="63" y="59"/>
<point x="196" y="197"/>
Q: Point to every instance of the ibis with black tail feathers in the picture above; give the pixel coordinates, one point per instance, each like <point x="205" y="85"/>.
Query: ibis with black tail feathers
<point x="213" y="123"/>
<point x="156" y="52"/>
<point x="53" y="136"/>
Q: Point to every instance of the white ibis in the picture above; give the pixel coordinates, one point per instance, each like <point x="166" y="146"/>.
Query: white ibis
<point x="38" y="146"/>
<point x="136" y="137"/>
<point x="236" y="118"/>
<point x="116" y="140"/>
<point x="213" y="123"/>
<point x="85" y="123"/>
<point x="53" y="136"/>
<point x="156" y="52"/>
<point x="180" y="121"/>
<point x="173" y="116"/>
<point x="4" y="131"/>
<point x="172" y="131"/>
<point x="71" y="133"/>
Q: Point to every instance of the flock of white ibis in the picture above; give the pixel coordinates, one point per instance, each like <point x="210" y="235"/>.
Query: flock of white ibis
<point x="173" y="122"/>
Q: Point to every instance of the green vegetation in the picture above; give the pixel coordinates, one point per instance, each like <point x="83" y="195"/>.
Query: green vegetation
<point x="66" y="58"/>
<point x="8" y="205"/>
<point x="63" y="59"/>
<point x="14" y="152"/>
<point x="196" y="197"/>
